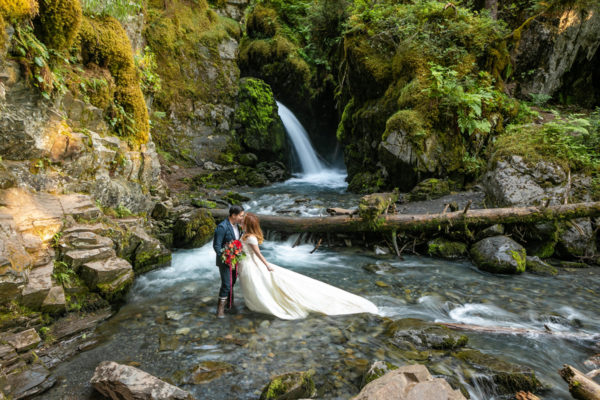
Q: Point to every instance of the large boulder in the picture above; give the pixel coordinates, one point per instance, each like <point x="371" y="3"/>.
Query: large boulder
<point x="514" y="182"/>
<point x="193" y="229"/>
<point x="118" y="381"/>
<point x="410" y="382"/>
<point x="577" y="239"/>
<point x="499" y="254"/>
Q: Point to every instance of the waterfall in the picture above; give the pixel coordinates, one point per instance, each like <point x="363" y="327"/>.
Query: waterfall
<point x="308" y="157"/>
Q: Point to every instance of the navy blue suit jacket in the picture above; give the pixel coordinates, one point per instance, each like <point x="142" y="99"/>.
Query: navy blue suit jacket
<point x="223" y="235"/>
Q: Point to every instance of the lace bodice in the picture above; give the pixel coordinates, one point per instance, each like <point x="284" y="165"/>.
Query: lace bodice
<point x="247" y="241"/>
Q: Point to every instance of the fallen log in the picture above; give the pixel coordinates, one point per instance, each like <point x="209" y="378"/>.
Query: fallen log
<point x="580" y="386"/>
<point x="424" y="222"/>
<point x="519" y="331"/>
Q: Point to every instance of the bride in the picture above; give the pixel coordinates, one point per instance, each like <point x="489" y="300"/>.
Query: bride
<point x="270" y="289"/>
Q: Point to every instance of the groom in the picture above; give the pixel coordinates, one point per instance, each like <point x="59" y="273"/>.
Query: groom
<point x="226" y="231"/>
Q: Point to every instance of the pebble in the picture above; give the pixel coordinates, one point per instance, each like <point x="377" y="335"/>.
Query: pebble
<point x="182" y="331"/>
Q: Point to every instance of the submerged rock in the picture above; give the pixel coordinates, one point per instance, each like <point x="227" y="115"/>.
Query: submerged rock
<point x="536" y="266"/>
<point x="443" y="248"/>
<point x="411" y="334"/>
<point x="377" y="370"/>
<point x="409" y="382"/>
<point x="118" y="381"/>
<point x="508" y="377"/>
<point x="292" y="385"/>
<point x="499" y="254"/>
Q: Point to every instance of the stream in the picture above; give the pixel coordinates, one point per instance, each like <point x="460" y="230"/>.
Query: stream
<point x="167" y="326"/>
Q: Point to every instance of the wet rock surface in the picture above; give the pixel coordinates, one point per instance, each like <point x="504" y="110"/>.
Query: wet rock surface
<point x="412" y="382"/>
<point x="499" y="254"/>
<point x="121" y="381"/>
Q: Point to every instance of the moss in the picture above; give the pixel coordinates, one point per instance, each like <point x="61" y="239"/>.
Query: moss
<point x="443" y="248"/>
<point x="377" y="373"/>
<point x="58" y="22"/>
<point x="262" y="23"/>
<point x="521" y="259"/>
<point x="430" y="189"/>
<point x="115" y="294"/>
<point x="510" y="378"/>
<point x="105" y="43"/>
<point x="194" y="229"/>
<point x="261" y="129"/>
<point x="291" y="385"/>
<point x="408" y="121"/>
<point x="17" y="9"/>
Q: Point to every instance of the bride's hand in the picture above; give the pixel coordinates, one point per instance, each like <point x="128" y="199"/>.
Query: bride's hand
<point x="271" y="269"/>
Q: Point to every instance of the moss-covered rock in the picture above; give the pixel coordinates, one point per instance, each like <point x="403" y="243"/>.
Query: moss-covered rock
<point x="509" y="378"/>
<point x="538" y="267"/>
<point x="261" y="129"/>
<point x="193" y="229"/>
<point x="443" y="248"/>
<point x="16" y="9"/>
<point x="104" y="42"/>
<point x="414" y="334"/>
<point x="292" y="385"/>
<point x="430" y="189"/>
<point x="58" y="22"/>
<point x="377" y="370"/>
<point x="499" y="254"/>
<point x="371" y="206"/>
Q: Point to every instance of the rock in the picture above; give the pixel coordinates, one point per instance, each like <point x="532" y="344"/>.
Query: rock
<point x="508" y="377"/>
<point x="379" y="268"/>
<point x="371" y="206"/>
<point x="261" y="130"/>
<point x="577" y="239"/>
<point x="25" y="340"/>
<point x="514" y="182"/>
<point x="55" y="302"/>
<point x="377" y="370"/>
<point x="494" y="230"/>
<point x="193" y="229"/>
<point x="560" y="52"/>
<point x="443" y="248"/>
<point x="27" y="383"/>
<point x="149" y="253"/>
<point x="84" y="241"/>
<point x="522" y="395"/>
<point x="429" y="189"/>
<point x="573" y="264"/>
<point x="112" y="276"/>
<point x="76" y="258"/>
<point x="7" y="179"/>
<point x="499" y="254"/>
<point x="248" y="159"/>
<point x="208" y="371"/>
<point x="411" y="382"/>
<point x="235" y="198"/>
<point x="36" y="290"/>
<point x="292" y="385"/>
<point x="160" y="211"/>
<point x="118" y="381"/>
<point x="536" y="266"/>
<point x="411" y="333"/>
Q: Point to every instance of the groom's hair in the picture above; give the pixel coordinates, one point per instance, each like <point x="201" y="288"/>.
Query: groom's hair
<point x="235" y="209"/>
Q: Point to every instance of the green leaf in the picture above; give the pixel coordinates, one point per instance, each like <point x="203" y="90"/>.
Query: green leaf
<point x="39" y="61"/>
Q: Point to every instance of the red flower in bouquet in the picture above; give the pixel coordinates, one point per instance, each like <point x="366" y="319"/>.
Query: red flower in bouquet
<point x="233" y="253"/>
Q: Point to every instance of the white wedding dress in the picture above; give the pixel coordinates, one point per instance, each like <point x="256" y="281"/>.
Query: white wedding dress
<point x="289" y="295"/>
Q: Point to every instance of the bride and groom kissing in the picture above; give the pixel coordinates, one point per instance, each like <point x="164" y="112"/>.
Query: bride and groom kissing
<point x="268" y="288"/>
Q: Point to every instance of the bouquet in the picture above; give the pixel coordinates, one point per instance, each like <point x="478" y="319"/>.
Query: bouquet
<point x="233" y="253"/>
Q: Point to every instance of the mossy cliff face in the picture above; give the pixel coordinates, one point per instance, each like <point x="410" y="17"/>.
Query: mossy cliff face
<point x="58" y="22"/>
<point x="420" y="100"/>
<point x="104" y="42"/>
<point x="195" y="52"/>
<point x="260" y="128"/>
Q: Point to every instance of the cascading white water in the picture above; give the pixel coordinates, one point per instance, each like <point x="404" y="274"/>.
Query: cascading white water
<point x="308" y="157"/>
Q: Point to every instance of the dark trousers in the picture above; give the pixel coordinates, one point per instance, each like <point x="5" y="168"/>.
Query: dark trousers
<point x="225" y="284"/>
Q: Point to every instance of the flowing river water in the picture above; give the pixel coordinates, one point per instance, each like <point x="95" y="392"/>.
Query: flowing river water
<point x="167" y="326"/>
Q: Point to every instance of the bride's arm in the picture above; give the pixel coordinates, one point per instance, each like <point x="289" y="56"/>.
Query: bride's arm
<point x="260" y="256"/>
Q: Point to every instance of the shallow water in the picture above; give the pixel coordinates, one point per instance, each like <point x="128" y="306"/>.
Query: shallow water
<point x="337" y="348"/>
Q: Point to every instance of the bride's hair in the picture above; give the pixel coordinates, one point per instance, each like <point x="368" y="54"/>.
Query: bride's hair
<point x="252" y="227"/>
